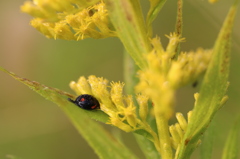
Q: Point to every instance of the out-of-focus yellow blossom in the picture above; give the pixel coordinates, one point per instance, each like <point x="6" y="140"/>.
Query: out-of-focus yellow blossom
<point x="153" y="81"/>
<point x="143" y="106"/>
<point x="174" y="40"/>
<point x="212" y="1"/>
<point x="188" y="67"/>
<point x="70" y="20"/>
<point x="164" y="74"/>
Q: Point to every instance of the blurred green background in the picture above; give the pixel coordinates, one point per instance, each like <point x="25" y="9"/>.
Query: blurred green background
<point x="34" y="128"/>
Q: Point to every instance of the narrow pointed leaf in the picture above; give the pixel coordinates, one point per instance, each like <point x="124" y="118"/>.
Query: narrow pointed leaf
<point x="231" y="148"/>
<point x="155" y="8"/>
<point x="213" y="89"/>
<point x="147" y="147"/>
<point x="207" y="143"/>
<point x="104" y="144"/>
<point x="59" y="97"/>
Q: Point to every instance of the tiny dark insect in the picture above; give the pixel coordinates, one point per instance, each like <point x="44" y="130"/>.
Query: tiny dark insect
<point x="195" y="84"/>
<point x="86" y="101"/>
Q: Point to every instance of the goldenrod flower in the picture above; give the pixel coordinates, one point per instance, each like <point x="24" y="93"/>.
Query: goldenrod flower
<point x="70" y="20"/>
<point x="157" y="83"/>
<point x="162" y="70"/>
<point x="177" y="130"/>
<point x="120" y="109"/>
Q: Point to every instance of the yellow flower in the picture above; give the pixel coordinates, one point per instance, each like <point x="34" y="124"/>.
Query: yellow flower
<point x="110" y="102"/>
<point x="212" y="1"/>
<point x="188" y="67"/>
<point x="121" y="109"/>
<point x="60" y="19"/>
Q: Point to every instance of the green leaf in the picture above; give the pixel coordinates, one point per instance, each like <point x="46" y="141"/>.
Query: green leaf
<point x="59" y="97"/>
<point x="147" y="147"/>
<point x="127" y="18"/>
<point x="213" y="89"/>
<point x="104" y="144"/>
<point x="155" y="8"/>
<point x="231" y="148"/>
<point x="207" y="143"/>
<point x="144" y="133"/>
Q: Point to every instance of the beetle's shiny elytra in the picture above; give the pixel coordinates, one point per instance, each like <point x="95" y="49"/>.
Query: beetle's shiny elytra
<point x="86" y="101"/>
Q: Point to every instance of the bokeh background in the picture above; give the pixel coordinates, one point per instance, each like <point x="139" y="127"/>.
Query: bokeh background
<point x="34" y="128"/>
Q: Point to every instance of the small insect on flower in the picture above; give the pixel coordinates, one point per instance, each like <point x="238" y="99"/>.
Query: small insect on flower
<point x="86" y="101"/>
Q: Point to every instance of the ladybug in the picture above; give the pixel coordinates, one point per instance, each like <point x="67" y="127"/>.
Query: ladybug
<point x="86" y="101"/>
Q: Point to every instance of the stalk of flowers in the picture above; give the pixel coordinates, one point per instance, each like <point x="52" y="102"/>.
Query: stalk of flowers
<point x="156" y="84"/>
<point x="162" y="70"/>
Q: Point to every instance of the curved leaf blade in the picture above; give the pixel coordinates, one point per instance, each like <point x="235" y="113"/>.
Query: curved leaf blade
<point x="104" y="144"/>
<point x="147" y="147"/>
<point x="213" y="89"/>
<point x="58" y="97"/>
<point x="231" y="147"/>
<point x="155" y="8"/>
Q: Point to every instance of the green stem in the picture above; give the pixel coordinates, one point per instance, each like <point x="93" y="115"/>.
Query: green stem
<point x="130" y="71"/>
<point x="178" y="27"/>
<point x="126" y="16"/>
<point x="165" y="143"/>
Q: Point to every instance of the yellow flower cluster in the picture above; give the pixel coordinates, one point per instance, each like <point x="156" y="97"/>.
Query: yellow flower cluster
<point x="188" y="67"/>
<point x="159" y="82"/>
<point x="70" y="20"/>
<point x="165" y="75"/>
<point x="121" y="109"/>
<point x="153" y="80"/>
<point x="166" y="72"/>
<point x="177" y="130"/>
